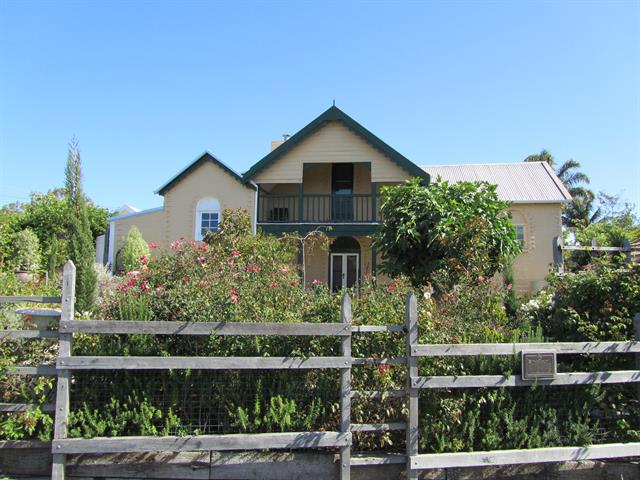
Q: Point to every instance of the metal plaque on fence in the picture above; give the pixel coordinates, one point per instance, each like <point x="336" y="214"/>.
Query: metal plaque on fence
<point x="539" y="365"/>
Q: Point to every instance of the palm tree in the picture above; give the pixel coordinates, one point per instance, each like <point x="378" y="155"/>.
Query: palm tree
<point x="579" y="211"/>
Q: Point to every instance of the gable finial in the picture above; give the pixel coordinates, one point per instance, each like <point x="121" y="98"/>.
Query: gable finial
<point x="334" y="102"/>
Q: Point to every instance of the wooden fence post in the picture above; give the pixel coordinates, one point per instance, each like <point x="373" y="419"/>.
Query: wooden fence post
<point x="636" y="331"/>
<point x="558" y="259"/>
<point x="345" y="388"/>
<point x="627" y="248"/>
<point x="411" y="325"/>
<point x="64" y="350"/>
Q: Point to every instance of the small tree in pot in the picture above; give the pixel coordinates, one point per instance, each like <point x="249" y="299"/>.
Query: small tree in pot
<point x="26" y="254"/>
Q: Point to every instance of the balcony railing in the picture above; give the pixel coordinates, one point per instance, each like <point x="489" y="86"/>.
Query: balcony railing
<point x="328" y="208"/>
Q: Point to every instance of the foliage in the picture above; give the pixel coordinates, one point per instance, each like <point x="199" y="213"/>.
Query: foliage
<point x="26" y="251"/>
<point x="597" y="304"/>
<point x="135" y="251"/>
<point x="80" y="245"/>
<point x="443" y="232"/>
<point x="134" y="416"/>
<point x="47" y="215"/>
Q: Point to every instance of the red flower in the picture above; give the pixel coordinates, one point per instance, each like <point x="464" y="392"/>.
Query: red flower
<point x="143" y="260"/>
<point x="384" y="368"/>
<point x="253" y="268"/>
<point x="316" y="282"/>
<point x="509" y="287"/>
<point x="234" y="292"/>
<point x="274" y="285"/>
<point x="185" y="279"/>
<point x="131" y="283"/>
<point x="235" y="254"/>
<point x="234" y="299"/>
<point x="392" y="287"/>
<point x="175" y="245"/>
<point x="145" y="286"/>
<point x="152" y="245"/>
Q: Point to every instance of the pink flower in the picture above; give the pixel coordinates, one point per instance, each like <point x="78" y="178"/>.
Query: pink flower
<point x="159" y="288"/>
<point x="235" y="254"/>
<point x="133" y="273"/>
<point x="143" y="260"/>
<point x="481" y="278"/>
<point x="131" y="283"/>
<point x="152" y="245"/>
<point x="316" y="282"/>
<point x="274" y="285"/>
<point x="234" y="298"/>
<point x="145" y="286"/>
<point x="185" y="279"/>
<point x="201" y="259"/>
<point x="234" y="292"/>
<point x="203" y="247"/>
<point x="175" y="245"/>
<point x="509" y="287"/>
<point x="392" y="287"/>
<point x="284" y="269"/>
<point x="253" y="268"/>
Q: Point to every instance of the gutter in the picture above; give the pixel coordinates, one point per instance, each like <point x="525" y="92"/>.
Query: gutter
<point x="255" y="208"/>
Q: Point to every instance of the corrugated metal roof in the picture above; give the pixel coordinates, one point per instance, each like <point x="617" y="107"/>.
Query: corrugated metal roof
<point x="523" y="182"/>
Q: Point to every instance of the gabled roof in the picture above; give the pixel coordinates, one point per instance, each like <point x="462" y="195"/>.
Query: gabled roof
<point x="205" y="157"/>
<point x="335" y="114"/>
<point x="522" y="182"/>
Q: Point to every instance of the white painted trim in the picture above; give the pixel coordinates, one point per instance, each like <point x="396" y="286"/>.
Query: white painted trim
<point x="254" y="222"/>
<point x="112" y="246"/>
<point x="135" y="214"/>
<point x="344" y="267"/>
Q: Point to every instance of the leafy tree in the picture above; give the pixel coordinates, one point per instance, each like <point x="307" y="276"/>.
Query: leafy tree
<point x="26" y="251"/>
<point x="444" y="232"/>
<point x="80" y="243"/>
<point x="133" y="250"/>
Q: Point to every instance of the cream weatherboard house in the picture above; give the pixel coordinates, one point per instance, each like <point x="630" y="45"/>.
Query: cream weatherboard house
<point x="330" y="174"/>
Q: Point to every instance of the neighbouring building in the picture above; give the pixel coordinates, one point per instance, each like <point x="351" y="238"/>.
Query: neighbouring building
<point x="330" y="174"/>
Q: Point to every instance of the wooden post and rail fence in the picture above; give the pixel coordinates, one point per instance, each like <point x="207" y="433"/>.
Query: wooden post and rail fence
<point x="67" y="363"/>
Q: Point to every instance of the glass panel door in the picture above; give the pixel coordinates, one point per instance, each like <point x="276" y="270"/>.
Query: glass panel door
<point x="342" y="192"/>
<point x="344" y="270"/>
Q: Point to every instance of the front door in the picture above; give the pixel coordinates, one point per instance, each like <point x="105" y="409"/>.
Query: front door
<point x="344" y="270"/>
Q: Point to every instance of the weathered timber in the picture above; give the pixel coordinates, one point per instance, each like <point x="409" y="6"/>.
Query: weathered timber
<point x="64" y="376"/>
<point x="30" y="299"/>
<point x="345" y="389"/>
<point x="40" y="370"/>
<point x="376" y="458"/>
<point x="533" y="455"/>
<point x="378" y="427"/>
<point x="257" y="441"/>
<point x="443" y="350"/>
<point x="202" y="363"/>
<point x="204" y="328"/>
<point x="411" y="338"/>
<point x="376" y="328"/>
<point x="480" y="381"/>
<point x="28" y="334"/>
<point x="23" y="407"/>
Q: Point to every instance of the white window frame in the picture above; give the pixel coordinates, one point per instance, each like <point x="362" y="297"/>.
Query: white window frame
<point x="344" y="268"/>
<point x="205" y="205"/>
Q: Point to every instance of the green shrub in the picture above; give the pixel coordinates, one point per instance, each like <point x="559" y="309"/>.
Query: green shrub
<point x="26" y="251"/>
<point x="135" y="251"/>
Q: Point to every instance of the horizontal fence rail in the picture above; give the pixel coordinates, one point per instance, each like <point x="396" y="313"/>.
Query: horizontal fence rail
<point x="30" y="299"/>
<point x="204" y="328"/>
<point x="202" y="363"/>
<point x="240" y="441"/>
<point x="453" y="349"/>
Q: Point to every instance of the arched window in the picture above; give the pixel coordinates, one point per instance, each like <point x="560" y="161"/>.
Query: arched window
<point x="207" y="217"/>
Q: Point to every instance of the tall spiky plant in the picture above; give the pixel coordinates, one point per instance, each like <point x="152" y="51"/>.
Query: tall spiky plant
<point x="80" y="244"/>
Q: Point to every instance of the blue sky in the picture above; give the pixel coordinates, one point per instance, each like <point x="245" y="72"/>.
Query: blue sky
<point x="146" y="87"/>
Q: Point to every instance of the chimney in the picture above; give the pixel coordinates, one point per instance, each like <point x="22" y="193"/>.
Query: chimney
<point x="276" y="143"/>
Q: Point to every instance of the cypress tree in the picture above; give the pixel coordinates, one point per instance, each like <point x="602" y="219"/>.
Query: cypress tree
<point x="80" y="244"/>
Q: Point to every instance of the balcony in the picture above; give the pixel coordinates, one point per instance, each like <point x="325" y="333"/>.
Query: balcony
<point x="317" y="209"/>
